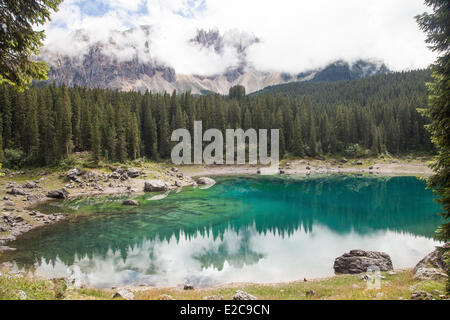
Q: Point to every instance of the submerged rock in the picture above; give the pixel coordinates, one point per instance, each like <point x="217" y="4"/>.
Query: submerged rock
<point x="206" y="181"/>
<point x="58" y="194"/>
<point x="130" y="203"/>
<point x="432" y="267"/>
<point x="358" y="261"/>
<point x="242" y="295"/>
<point x="155" y="186"/>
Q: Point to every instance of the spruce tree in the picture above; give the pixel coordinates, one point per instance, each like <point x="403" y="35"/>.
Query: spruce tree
<point x="437" y="27"/>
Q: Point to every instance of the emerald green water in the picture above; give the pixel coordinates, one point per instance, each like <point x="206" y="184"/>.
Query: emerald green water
<point x="253" y="229"/>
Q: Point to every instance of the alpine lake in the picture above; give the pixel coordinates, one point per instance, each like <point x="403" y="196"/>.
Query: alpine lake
<point x="261" y="229"/>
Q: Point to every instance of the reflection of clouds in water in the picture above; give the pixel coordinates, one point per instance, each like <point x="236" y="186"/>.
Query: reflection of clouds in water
<point x="279" y="258"/>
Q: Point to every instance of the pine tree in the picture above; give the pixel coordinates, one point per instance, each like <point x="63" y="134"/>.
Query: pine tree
<point x="437" y="27"/>
<point x="5" y="104"/>
<point x="31" y="134"/>
<point x="63" y="122"/>
<point x="297" y="140"/>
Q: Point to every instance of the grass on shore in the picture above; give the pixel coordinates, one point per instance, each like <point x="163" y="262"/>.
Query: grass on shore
<point x="394" y="287"/>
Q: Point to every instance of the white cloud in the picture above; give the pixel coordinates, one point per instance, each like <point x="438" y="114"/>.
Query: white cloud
<point x="295" y="35"/>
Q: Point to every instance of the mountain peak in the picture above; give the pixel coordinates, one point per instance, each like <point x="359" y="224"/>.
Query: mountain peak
<point x="125" y="60"/>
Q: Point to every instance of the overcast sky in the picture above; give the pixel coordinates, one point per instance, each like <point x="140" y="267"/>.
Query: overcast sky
<point x="296" y="35"/>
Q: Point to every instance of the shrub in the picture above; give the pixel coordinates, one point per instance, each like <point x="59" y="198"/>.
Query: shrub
<point x="14" y="158"/>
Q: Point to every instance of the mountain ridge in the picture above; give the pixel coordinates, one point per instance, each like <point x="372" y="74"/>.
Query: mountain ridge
<point x="119" y="62"/>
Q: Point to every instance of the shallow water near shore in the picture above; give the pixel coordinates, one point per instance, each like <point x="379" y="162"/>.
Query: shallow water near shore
<point x="243" y="229"/>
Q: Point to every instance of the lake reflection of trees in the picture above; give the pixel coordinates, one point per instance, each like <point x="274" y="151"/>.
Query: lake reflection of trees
<point x="268" y="205"/>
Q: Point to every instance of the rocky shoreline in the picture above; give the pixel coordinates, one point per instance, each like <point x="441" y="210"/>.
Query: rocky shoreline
<point x="17" y="219"/>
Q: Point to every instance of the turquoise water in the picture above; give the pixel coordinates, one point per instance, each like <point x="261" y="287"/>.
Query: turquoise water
<point x="253" y="229"/>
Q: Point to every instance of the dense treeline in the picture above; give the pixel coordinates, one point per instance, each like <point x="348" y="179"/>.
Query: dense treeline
<point x="46" y="124"/>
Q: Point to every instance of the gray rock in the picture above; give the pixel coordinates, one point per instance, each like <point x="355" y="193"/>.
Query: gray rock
<point x="165" y="297"/>
<point x="432" y="267"/>
<point x="206" y="181"/>
<point x="30" y="185"/>
<point x="188" y="287"/>
<point x="124" y="293"/>
<point x="242" y="295"/>
<point x="115" y="175"/>
<point x="421" y="295"/>
<point x="178" y="184"/>
<point x="16" y="192"/>
<point x="358" y="261"/>
<point x="22" y="295"/>
<point x="310" y="293"/>
<point x="133" y="173"/>
<point x="72" y="174"/>
<point x="5" y="248"/>
<point x="34" y="197"/>
<point x="174" y="169"/>
<point x="58" y="194"/>
<point x="216" y="297"/>
<point x="130" y="203"/>
<point x="9" y="204"/>
<point x="155" y="186"/>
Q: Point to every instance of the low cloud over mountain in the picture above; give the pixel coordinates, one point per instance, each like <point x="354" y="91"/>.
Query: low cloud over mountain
<point x="130" y="60"/>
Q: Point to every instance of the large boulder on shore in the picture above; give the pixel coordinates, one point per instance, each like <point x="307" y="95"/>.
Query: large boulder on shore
<point x="58" y="194"/>
<point x="72" y="174"/>
<point x="358" y="261"/>
<point x="124" y="294"/>
<point x="242" y="295"/>
<point x="133" y="173"/>
<point x="155" y="186"/>
<point x="433" y="266"/>
<point x="206" y="181"/>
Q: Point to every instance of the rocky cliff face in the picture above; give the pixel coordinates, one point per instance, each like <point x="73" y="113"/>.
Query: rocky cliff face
<point x="119" y="62"/>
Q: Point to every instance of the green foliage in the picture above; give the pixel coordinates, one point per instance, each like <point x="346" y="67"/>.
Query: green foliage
<point x="19" y="41"/>
<point x="437" y="27"/>
<point x="14" y="158"/>
<point x="355" y="151"/>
